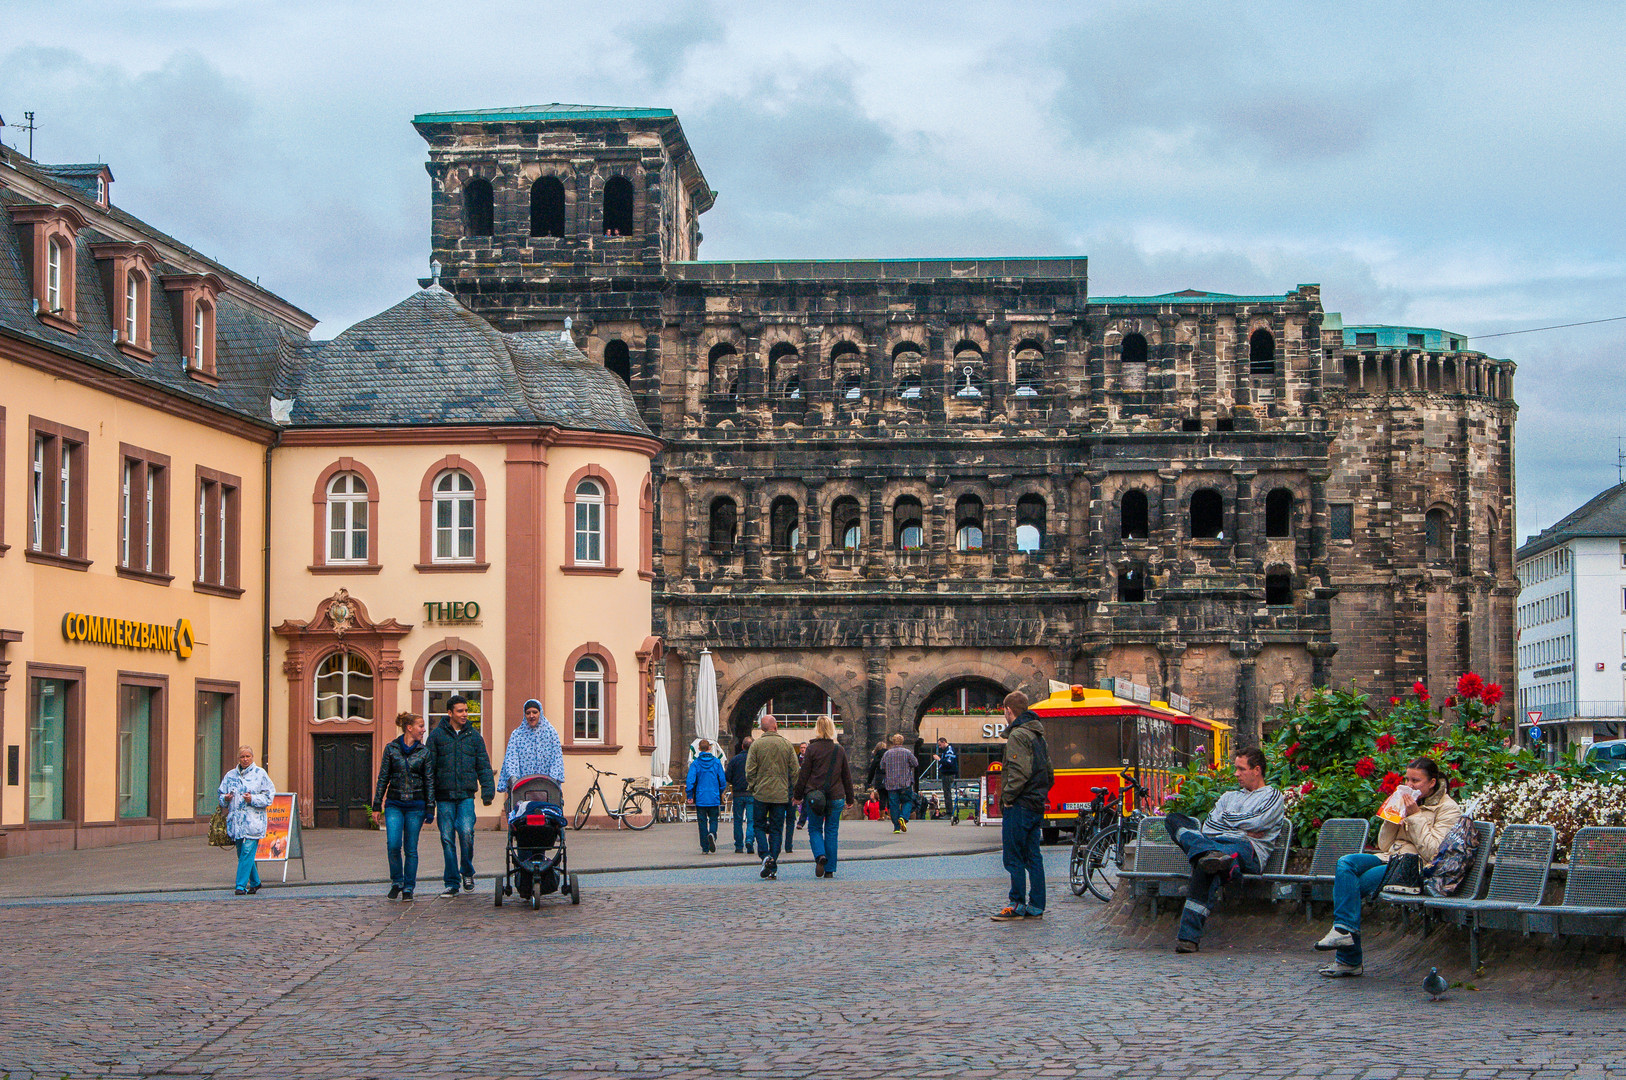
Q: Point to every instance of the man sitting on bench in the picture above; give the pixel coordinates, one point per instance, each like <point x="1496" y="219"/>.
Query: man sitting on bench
<point x="1236" y="839"/>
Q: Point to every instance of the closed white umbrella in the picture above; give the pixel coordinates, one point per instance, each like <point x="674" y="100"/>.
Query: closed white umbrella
<point x="660" y="762"/>
<point x="705" y="700"/>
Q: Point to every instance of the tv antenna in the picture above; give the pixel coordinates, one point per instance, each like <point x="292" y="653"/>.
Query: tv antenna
<point x="30" y="127"/>
<point x="1620" y="459"/>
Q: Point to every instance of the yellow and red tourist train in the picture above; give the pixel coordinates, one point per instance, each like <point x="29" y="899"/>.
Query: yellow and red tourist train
<point x="1094" y="736"/>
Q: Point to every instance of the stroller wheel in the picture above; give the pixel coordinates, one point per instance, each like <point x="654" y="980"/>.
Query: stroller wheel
<point x="499" y="891"/>
<point x="575" y="887"/>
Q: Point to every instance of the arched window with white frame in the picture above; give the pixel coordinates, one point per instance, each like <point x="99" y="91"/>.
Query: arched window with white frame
<point x="347" y="524"/>
<point x="452" y="674"/>
<point x="454" y="517"/>
<point x="344" y="688"/>
<point x="53" y="275"/>
<point x="587" y="701"/>
<point x="589" y="524"/>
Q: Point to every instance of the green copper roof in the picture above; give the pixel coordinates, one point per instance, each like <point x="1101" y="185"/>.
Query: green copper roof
<point x="1190" y="296"/>
<point x="554" y="111"/>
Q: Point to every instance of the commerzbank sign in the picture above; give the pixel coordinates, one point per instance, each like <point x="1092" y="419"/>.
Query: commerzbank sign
<point x="129" y="634"/>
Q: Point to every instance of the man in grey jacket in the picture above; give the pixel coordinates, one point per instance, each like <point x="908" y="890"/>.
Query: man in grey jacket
<point x="770" y="774"/>
<point x="1236" y="839"/>
<point x="1024" y="790"/>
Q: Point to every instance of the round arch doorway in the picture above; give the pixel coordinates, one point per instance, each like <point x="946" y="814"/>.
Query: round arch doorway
<point x="796" y="704"/>
<point x="970" y="713"/>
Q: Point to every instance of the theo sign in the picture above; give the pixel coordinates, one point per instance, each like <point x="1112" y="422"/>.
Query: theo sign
<point x="127" y="634"/>
<point x="460" y="611"/>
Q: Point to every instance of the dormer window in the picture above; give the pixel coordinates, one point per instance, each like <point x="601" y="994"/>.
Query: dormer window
<point x="53" y="276"/>
<point x="195" y="300"/>
<point x="48" y="242"/>
<point x="127" y="276"/>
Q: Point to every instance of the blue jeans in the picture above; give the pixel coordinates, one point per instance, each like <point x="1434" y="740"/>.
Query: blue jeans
<point x="770" y="818"/>
<point x="707" y="817"/>
<point x="899" y="803"/>
<point x="401" y="828"/>
<point x="1020" y="830"/>
<point x="745" y="823"/>
<point x="1358" y="876"/>
<point x="1203" y="890"/>
<point x="822" y="831"/>
<point x="248" y="871"/>
<point x="456" y="820"/>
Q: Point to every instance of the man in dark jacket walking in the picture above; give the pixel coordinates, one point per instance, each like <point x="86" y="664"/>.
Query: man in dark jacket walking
<point x="1024" y="787"/>
<point x="745" y="826"/>
<point x="948" y="771"/>
<point x="461" y="765"/>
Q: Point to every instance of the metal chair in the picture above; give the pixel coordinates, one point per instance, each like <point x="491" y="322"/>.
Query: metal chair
<point x="1472" y="881"/>
<point x="1338" y="837"/>
<point x="1160" y="863"/>
<point x="1524" y="856"/>
<point x="1595" y="891"/>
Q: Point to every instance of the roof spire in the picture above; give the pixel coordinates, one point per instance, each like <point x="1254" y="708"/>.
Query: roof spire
<point x="564" y="335"/>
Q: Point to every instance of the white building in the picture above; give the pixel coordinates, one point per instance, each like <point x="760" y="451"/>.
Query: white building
<point x="1572" y="624"/>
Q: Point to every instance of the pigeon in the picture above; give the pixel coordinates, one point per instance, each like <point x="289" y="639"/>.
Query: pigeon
<point x="1434" y="984"/>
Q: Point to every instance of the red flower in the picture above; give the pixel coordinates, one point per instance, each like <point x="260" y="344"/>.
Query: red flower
<point x="1439" y="748"/>
<point x="1493" y="694"/>
<point x="1470" y="686"/>
<point x="1291" y="750"/>
<point x="1452" y="765"/>
<point x="1315" y="823"/>
<point x="1304" y="768"/>
<point x="1394" y="701"/>
<point x="1309" y="786"/>
<point x="1365" y="767"/>
<point x="1419" y="689"/>
<point x="1450" y="702"/>
<point x="1386" y="742"/>
<point x="1391" y="780"/>
<point x="1454" y="783"/>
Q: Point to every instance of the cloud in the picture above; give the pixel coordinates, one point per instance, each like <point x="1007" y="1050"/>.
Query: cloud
<point x="663" y="47"/>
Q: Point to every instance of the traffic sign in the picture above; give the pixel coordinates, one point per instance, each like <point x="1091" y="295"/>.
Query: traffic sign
<point x="1533" y="716"/>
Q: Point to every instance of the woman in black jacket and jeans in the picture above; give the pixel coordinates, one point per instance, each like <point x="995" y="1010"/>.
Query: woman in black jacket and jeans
<point x="407" y="773"/>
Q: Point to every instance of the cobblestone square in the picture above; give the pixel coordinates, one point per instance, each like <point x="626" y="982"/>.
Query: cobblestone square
<point x="895" y="971"/>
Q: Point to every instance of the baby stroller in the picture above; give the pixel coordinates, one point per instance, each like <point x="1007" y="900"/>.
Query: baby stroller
<point x="536" y="844"/>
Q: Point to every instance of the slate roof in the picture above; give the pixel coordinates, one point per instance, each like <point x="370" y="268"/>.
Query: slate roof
<point x="430" y="360"/>
<point x="247" y="342"/>
<point x="1604" y="515"/>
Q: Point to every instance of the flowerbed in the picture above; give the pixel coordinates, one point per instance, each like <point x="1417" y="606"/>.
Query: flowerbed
<point x="1336" y="754"/>
<point x="1567" y="803"/>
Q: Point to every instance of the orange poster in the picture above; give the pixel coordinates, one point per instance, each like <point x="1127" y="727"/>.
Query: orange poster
<point x="279" y="818"/>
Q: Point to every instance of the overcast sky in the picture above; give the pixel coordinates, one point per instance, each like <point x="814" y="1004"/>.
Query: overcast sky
<point x="1458" y="168"/>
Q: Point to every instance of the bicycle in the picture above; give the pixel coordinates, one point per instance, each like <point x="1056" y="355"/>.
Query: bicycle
<point x="1100" y="835"/>
<point x="636" y="810"/>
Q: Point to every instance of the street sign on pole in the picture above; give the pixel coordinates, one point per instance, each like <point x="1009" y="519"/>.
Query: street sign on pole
<point x="1533" y="717"/>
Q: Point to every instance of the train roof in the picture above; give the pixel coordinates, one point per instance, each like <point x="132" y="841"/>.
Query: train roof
<point x="1084" y="701"/>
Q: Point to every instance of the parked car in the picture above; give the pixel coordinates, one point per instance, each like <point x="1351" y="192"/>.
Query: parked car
<point x="1607" y="756"/>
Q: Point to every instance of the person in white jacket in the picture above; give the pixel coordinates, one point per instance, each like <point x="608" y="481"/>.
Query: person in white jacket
<point x="245" y="792"/>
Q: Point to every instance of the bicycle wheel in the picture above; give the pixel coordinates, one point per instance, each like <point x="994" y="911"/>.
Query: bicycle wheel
<point x="1103" y="860"/>
<point x="1077" y="874"/>
<point x="583" y="810"/>
<point x="638" y="810"/>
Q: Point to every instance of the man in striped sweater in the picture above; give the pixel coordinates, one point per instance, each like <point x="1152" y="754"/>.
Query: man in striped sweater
<point x="1236" y="839"/>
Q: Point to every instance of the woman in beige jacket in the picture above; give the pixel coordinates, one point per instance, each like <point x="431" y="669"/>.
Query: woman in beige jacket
<point x="1429" y="817"/>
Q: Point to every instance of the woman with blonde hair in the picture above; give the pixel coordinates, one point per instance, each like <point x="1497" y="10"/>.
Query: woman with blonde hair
<point x="825" y="786"/>
<point x="407" y="775"/>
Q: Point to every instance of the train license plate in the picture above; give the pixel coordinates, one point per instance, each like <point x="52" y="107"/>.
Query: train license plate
<point x="1075" y="805"/>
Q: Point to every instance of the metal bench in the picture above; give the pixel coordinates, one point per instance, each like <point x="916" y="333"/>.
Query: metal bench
<point x="1338" y="837"/>
<point x="1163" y="869"/>
<point x="1524" y="855"/>
<point x="1594" y="893"/>
<point x="1468" y="889"/>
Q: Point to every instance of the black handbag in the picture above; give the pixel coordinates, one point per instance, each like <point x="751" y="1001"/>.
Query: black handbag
<point x="1405" y="875"/>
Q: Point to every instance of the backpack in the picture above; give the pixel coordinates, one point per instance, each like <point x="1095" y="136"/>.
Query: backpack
<point x="1044" y="775"/>
<point x="1444" y="875"/>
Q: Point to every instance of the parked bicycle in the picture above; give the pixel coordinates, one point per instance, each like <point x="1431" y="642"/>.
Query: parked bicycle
<point x="1100" y="835"/>
<point x="637" y="807"/>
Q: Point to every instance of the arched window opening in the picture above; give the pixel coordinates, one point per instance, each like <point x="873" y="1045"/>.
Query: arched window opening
<point x="589" y="524"/>
<point x="725" y="524"/>
<point x="908" y="532"/>
<point x="618" y="206"/>
<point x="548" y="207"/>
<point x="478" y="214"/>
<point x="1279" y="513"/>
<point x="587" y="701"/>
<point x="1133" y="519"/>
<point x="449" y="674"/>
<point x="722" y="367"/>
<point x="1132" y="585"/>
<point x="968" y="528"/>
<point x="1133" y="349"/>
<point x="344" y="688"/>
<point x="347" y="519"/>
<point x="1029" y="369"/>
<point x="784" y="368"/>
<point x="968" y="377"/>
<point x="1030" y="523"/>
<point x="1207" y="515"/>
<point x="785" y="524"/>
<point x="795" y="703"/>
<point x="852" y="388"/>
<point x="1262" y="353"/>
<point x="844" y="349"/>
<point x="1436" y="536"/>
<point x="1493" y="536"/>
<point x="454" y="516"/>
<point x="962" y="697"/>
<point x="1278" y="589"/>
<point x="618" y="359"/>
<point x="132" y="306"/>
<point x="909" y="388"/>
<point x="53" y="275"/>
<point x="846" y="523"/>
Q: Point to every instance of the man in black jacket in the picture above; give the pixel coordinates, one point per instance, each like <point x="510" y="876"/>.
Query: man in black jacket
<point x="745" y="831"/>
<point x="1024" y="788"/>
<point x="461" y="765"/>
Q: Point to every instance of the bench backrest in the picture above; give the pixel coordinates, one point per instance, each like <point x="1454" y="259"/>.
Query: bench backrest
<point x="1474" y="879"/>
<point x="1523" y="856"/>
<point x="1597" y="876"/>
<point x="1338" y="837"/>
<point x="1277" y="862"/>
<point x="1155" y="853"/>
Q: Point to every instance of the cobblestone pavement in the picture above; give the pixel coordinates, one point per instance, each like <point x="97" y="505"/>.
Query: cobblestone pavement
<point x="902" y="975"/>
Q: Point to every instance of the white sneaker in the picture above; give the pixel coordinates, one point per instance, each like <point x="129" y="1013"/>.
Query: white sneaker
<point x="1336" y="938"/>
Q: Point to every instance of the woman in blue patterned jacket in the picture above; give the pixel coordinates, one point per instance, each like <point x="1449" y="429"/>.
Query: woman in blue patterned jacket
<point x="246" y="792"/>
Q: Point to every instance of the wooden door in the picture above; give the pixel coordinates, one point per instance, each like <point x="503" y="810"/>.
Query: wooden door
<point x="344" y="780"/>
